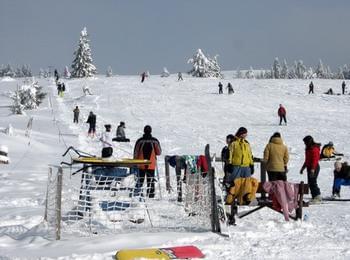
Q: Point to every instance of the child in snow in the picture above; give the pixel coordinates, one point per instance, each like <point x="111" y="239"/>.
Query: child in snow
<point x="341" y="177"/>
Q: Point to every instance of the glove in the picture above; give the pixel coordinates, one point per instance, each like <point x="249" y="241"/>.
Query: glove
<point x="285" y="169"/>
<point x="251" y="169"/>
<point x="301" y="171"/>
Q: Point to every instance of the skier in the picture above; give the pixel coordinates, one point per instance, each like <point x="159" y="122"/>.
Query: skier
<point x="56" y="75"/>
<point x="4" y="159"/>
<point x="143" y="76"/>
<point x="343" y="86"/>
<point x="282" y="114"/>
<point x="276" y="158"/>
<point x="59" y="88"/>
<point x="220" y="88"/>
<point x="76" y="112"/>
<point x="147" y="147"/>
<point x="92" y="124"/>
<point x="106" y="137"/>
<point x="179" y="76"/>
<point x="311" y="88"/>
<point x="230" y="89"/>
<point x="225" y="155"/>
<point x="328" y="151"/>
<point x="121" y="133"/>
<point x="241" y="157"/>
<point x="312" y="157"/>
<point x="341" y="177"/>
<point x="329" y="91"/>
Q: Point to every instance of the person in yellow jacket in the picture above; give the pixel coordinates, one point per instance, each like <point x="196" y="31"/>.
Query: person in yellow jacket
<point x="276" y="158"/>
<point x="240" y="158"/>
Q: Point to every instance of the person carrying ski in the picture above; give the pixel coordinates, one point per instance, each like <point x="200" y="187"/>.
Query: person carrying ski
<point x="121" y="133"/>
<point x="276" y="158"/>
<point x="341" y="177"/>
<point x="282" y="113"/>
<point x="220" y="88"/>
<point x="76" y="112"/>
<point x="311" y="88"/>
<point x="179" y="76"/>
<point x="343" y="86"/>
<point x="147" y="147"/>
<point x="106" y="137"/>
<point x="92" y="124"/>
<point x="225" y="155"/>
<point x="240" y="157"/>
<point x="312" y="157"/>
<point x="328" y="151"/>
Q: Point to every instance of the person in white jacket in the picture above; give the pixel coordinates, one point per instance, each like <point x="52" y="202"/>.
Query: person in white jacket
<point x="106" y="137"/>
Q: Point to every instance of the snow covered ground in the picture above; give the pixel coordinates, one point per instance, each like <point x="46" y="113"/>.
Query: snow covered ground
<point x="185" y="116"/>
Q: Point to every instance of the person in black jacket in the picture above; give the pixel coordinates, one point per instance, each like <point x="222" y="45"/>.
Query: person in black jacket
<point x="220" y="88"/>
<point x="311" y="88"/>
<point x="147" y="148"/>
<point x="92" y="124"/>
<point x="343" y="85"/>
<point x="225" y="155"/>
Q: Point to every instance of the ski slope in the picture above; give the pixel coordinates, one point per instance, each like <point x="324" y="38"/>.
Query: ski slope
<point x="184" y="116"/>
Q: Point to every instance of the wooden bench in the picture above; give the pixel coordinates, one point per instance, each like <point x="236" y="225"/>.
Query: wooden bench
<point x="264" y="201"/>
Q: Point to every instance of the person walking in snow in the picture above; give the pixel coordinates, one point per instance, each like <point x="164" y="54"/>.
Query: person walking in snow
<point x="92" y="124"/>
<point x="76" y="112"/>
<point x="143" y="76"/>
<point x="311" y="88"/>
<point x="220" y="88"/>
<point x="147" y="147"/>
<point x="276" y="158"/>
<point x="343" y="86"/>
<point x="230" y="89"/>
<point x="225" y="156"/>
<point x="106" y="137"/>
<point x="282" y="113"/>
<point x="56" y="75"/>
<point x="312" y="157"/>
<point x="179" y="76"/>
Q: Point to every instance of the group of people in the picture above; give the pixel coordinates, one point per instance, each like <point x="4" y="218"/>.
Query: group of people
<point x="238" y="161"/>
<point x="229" y="88"/>
<point x="330" y="90"/>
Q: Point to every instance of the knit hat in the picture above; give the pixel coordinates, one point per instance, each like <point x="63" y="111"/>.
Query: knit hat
<point x="108" y="126"/>
<point x="242" y="130"/>
<point x="276" y="134"/>
<point x="147" y="129"/>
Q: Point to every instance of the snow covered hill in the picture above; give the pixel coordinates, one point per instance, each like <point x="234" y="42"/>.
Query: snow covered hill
<point x="184" y="116"/>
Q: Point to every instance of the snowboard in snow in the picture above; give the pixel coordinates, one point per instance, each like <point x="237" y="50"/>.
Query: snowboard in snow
<point x="178" y="252"/>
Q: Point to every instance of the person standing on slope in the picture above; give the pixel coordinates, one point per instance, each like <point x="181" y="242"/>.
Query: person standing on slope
<point x="312" y="157"/>
<point x="343" y="86"/>
<point x="282" y="113"/>
<point x="92" y="124"/>
<point x="147" y="147"/>
<point x="220" y="88"/>
<point x="106" y="137"/>
<point x="76" y="112"/>
<point x="311" y="88"/>
<point x="276" y="158"/>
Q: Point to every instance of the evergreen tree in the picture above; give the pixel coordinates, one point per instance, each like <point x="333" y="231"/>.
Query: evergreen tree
<point x="82" y="65"/>
<point x="250" y="73"/>
<point x="320" y="70"/>
<point x="66" y="72"/>
<point x="41" y="73"/>
<point x="284" y="70"/>
<point x="300" y="70"/>
<point x="239" y="74"/>
<point x="204" y="66"/>
<point x="17" y="107"/>
<point x="165" y="73"/>
<point x="276" y="69"/>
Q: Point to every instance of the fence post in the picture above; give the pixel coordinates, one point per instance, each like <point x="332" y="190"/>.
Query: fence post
<point x="47" y="193"/>
<point x="263" y="177"/>
<point x="167" y="174"/>
<point x="58" y="203"/>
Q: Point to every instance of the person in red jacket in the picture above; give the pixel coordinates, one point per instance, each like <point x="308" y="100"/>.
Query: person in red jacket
<point x="312" y="156"/>
<point x="147" y="147"/>
<point x="282" y="114"/>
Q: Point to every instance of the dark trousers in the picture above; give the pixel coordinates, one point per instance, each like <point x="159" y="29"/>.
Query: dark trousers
<point x="75" y="120"/>
<point x="149" y="175"/>
<point x="311" y="90"/>
<point x="92" y="129"/>
<point x="283" y="118"/>
<point x="277" y="176"/>
<point x="312" y="181"/>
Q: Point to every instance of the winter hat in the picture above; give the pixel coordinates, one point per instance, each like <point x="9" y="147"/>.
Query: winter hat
<point x="122" y="123"/>
<point x="107" y="152"/>
<point x="108" y="126"/>
<point x="230" y="137"/>
<point x="242" y="130"/>
<point x="308" y="140"/>
<point x="276" y="134"/>
<point x="330" y="143"/>
<point x="147" y="129"/>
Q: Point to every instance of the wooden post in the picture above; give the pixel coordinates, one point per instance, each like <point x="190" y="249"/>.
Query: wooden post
<point x="178" y="178"/>
<point x="167" y="174"/>
<point x="299" y="210"/>
<point x="58" y="203"/>
<point x="263" y="177"/>
<point x="47" y="193"/>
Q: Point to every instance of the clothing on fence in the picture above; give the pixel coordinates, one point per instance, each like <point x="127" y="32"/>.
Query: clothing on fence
<point x="244" y="189"/>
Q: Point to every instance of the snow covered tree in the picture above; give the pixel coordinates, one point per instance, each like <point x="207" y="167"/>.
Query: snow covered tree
<point x="66" y="72"/>
<point x="204" y="66"/>
<point x="239" y="74"/>
<point x="284" y="70"/>
<point x="82" y="64"/>
<point x="300" y="70"/>
<point x="17" y="107"/>
<point x="8" y="71"/>
<point x="320" y="70"/>
<point x="41" y="73"/>
<point x="165" y="73"/>
<point x="250" y="73"/>
<point x="276" y="69"/>
<point x="109" y="72"/>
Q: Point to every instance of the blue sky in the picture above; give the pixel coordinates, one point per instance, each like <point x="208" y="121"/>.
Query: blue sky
<point x="137" y="35"/>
